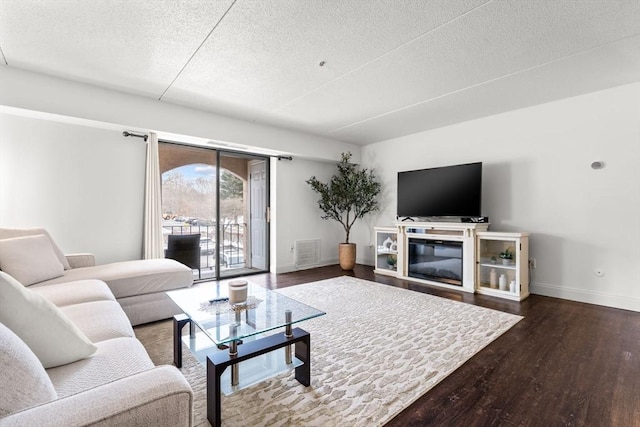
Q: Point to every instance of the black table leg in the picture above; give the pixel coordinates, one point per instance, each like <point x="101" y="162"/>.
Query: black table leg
<point x="179" y="320"/>
<point x="303" y="353"/>
<point x="214" y="409"/>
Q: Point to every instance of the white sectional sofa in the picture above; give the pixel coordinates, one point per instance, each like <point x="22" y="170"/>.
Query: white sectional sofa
<point x="139" y="286"/>
<point x="69" y="357"/>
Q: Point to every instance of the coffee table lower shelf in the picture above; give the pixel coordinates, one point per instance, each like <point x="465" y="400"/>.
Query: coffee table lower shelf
<point x="217" y="361"/>
<point x="252" y="371"/>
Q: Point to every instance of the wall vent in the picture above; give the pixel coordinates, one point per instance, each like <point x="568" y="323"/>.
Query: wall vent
<point x="307" y="253"/>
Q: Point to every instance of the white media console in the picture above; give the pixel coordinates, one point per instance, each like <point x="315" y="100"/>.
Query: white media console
<point x="461" y="256"/>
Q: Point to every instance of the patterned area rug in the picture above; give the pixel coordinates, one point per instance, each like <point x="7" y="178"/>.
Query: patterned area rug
<point x="374" y="353"/>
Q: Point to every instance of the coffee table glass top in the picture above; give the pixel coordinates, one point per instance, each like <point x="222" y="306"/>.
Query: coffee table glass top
<point x="264" y="311"/>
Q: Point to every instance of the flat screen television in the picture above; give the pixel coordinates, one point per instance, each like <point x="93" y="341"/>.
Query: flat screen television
<point x="449" y="191"/>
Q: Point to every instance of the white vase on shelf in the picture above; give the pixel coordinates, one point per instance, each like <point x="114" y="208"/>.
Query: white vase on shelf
<point x="503" y="282"/>
<point x="387" y="244"/>
<point x="493" y="278"/>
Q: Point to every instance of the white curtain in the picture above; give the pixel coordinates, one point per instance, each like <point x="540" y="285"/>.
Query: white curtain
<point x="153" y="245"/>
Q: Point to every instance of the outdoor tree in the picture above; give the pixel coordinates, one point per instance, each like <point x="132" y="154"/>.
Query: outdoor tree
<point x="231" y="195"/>
<point x="230" y="185"/>
<point x="196" y="198"/>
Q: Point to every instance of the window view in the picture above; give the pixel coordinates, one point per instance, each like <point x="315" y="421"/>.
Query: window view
<point x="191" y="205"/>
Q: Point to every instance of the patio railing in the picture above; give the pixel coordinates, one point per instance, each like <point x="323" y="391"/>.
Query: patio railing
<point x="232" y="249"/>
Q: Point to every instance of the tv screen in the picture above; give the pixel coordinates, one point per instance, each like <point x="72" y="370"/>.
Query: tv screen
<point x="445" y="191"/>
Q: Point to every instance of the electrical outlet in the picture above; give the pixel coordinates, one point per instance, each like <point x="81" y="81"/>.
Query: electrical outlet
<point x="532" y="263"/>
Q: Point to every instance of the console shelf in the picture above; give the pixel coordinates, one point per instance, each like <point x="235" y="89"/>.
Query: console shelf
<point x="499" y="266"/>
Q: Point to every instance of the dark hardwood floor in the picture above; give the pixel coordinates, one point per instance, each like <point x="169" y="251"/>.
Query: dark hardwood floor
<point x="565" y="364"/>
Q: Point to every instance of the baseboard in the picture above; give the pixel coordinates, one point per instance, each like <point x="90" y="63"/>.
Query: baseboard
<point x="291" y="267"/>
<point x="590" y="297"/>
<point x="572" y="294"/>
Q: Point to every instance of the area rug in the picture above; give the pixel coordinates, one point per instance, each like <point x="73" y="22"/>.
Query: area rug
<point x="377" y="350"/>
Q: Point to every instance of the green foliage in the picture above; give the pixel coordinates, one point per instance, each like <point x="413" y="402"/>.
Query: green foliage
<point x="506" y="254"/>
<point x="349" y="195"/>
<point x="230" y="185"/>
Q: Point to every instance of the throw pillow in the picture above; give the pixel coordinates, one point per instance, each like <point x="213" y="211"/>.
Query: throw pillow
<point x="10" y="233"/>
<point x="29" y="259"/>
<point x="24" y="381"/>
<point x="50" y="334"/>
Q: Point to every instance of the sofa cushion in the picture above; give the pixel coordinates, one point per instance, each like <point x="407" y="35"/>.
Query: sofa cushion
<point x="9" y="233"/>
<point x="29" y="259"/>
<point x="116" y="358"/>
<point x="53" y="338"/>
<point x="99" y="320"/>
<point x="149" y="308"/>
<point x="24" y="381"/>
<point x="129" y="278"/>
<point x="77" y="292"/>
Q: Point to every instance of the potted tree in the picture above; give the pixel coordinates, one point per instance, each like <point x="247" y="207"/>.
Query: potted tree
<point x="348" y="196"/>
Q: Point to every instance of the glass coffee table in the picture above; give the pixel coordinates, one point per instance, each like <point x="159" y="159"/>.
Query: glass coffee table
<point x="223" y="335"/>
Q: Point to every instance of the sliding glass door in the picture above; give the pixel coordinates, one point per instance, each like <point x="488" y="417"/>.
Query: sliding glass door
<point x="242" y="215"/>
<point x="223" y="197"/>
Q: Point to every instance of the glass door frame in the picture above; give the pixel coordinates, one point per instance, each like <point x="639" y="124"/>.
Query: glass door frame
<point x="219" y="231"/>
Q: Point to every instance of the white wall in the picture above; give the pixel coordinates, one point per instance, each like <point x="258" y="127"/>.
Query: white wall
<point x="66" y="166"/>
<point x="99" y="107"/>
<point x="296" y="213"/>
<point x="85" y="185"/>
<point x="537" y="178"/>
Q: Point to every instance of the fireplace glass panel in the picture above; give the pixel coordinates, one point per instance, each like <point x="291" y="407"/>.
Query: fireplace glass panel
<point x="436" y="260"/>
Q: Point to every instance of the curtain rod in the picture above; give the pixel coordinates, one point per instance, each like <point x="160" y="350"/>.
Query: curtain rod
<point x="126" y="133"/>
<point x="166" y="141"/>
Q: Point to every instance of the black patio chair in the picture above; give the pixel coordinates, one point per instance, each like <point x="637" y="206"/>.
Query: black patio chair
<point x="185" y="248"/>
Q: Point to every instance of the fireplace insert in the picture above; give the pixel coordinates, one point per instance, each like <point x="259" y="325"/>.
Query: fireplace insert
<point x="435" y="260"/>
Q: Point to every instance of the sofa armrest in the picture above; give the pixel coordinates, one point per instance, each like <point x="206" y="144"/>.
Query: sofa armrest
<point x="81" y="260"/>
<point x="158" y="397"/>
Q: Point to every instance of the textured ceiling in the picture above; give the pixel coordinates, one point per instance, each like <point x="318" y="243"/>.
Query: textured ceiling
<point x="391" y="67"/>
